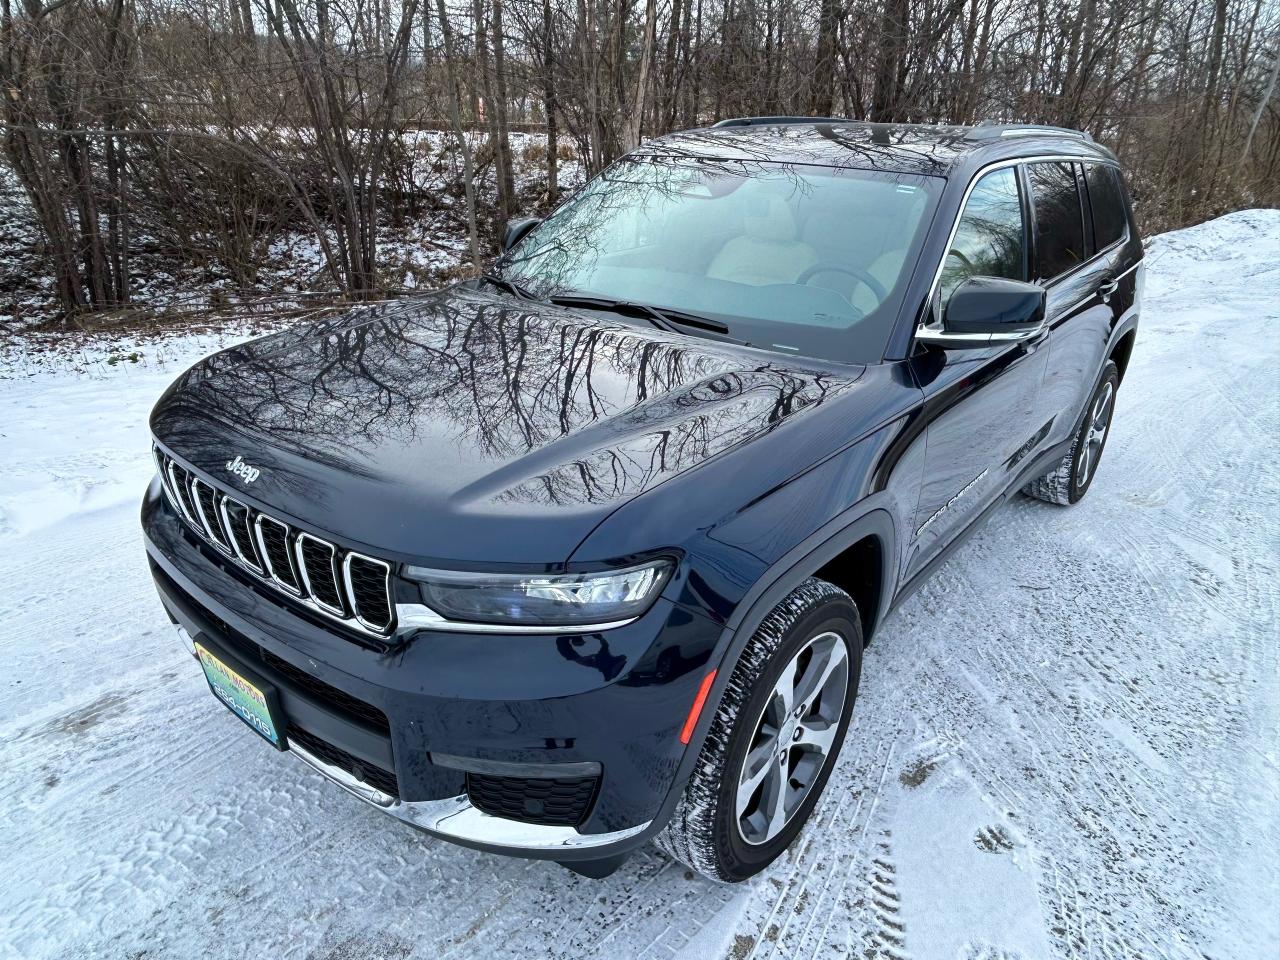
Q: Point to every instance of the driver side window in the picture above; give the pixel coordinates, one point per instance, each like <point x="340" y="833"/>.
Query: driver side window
<point x="991" y="238"/>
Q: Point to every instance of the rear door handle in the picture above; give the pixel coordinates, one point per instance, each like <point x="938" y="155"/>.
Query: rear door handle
<point x="1108" y="289"/>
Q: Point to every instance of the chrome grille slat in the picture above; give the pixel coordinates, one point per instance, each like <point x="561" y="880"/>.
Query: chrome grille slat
<point x="273" y="541"/>
<point x="207" y="507"/>
<point x="316" y="573"/>
<point x="317" y="559"/>
<point x="372" y="610"/>
<point x="236" y="521"/>
<point x="180" y="479"/>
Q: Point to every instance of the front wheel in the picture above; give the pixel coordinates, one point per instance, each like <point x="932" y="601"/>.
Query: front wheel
<point x="774" y="737"/>
<point x="1067" y="482"/>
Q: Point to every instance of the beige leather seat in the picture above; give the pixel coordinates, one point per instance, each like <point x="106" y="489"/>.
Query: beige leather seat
<point x="767" y="251"/>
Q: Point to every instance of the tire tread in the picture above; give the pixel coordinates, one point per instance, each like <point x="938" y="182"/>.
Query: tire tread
<point x="689" y="836"/>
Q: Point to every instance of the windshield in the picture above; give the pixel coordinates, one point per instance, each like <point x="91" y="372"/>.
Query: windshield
<point x="808" y="260"/>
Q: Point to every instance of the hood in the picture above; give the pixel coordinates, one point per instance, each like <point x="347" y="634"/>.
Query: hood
<point x="465" y="427"/>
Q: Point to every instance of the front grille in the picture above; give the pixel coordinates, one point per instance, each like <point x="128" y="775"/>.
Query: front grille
<point x="208" y="507"/>
<point x="239" y="524"/>
<point x="561" y="802"/>
<point x="344" y="585"/>
<point x="367" y="583"/>
<point x="339" y="700"/>
<point x="273" y="538"/>
<point x="384" y="780"/>
<point x="319" y="573"/>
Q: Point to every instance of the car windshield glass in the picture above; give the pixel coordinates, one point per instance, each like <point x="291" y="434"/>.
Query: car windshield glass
<point x="804" y="259"/>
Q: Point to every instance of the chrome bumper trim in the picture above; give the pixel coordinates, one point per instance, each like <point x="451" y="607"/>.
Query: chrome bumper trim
<point x="418" y="616"/>
<point x="455" y="818"/>
<point x="188" y="643"/>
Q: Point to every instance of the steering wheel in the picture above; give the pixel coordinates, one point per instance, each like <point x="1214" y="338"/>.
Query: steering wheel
<point x="965" y="263"/>
<point x="830" y="266"/>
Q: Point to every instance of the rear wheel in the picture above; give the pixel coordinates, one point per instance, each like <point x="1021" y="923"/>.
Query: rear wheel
<point x="1067" y="482"/>
<point x="774" y="737"/>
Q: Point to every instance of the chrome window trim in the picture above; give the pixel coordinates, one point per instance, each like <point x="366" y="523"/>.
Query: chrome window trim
<point x="266" y="555"/>
<point x="351" y="593"/>
<point x="934" y="334"/>
<point x="456" y="818"/>
<point x="301" y="563"/>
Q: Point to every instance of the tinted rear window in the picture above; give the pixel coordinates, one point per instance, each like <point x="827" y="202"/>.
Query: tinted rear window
<point x="1107" y="203"/>
<point x="1059" y="224"/>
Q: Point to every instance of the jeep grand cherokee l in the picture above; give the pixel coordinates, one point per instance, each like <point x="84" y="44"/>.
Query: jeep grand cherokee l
<point x="583" y="553"/>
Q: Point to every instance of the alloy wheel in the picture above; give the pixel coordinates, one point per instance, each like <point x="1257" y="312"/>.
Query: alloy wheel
<point x="793" y="739"/>
<point x="1099" y="423"/>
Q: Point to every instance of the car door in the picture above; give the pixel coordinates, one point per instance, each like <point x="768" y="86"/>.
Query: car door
<point x="980" y="404"/>
<point x="1077" y="267"/>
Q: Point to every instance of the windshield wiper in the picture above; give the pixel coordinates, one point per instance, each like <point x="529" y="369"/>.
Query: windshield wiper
<point x="659" y="316"/>
<point x="502" y="283"/>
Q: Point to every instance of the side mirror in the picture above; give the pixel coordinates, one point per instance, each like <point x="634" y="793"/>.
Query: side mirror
<point x="516" y="231"/>
<point x="984" y="311"/>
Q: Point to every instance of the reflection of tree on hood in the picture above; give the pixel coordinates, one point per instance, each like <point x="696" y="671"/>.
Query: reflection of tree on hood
<point x="502" y="379"/>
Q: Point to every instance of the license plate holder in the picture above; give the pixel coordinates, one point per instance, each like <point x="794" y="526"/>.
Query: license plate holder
<point x="243" y="691"/>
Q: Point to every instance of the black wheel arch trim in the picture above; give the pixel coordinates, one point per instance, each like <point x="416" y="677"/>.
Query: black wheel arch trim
<point x="802" y="561"/>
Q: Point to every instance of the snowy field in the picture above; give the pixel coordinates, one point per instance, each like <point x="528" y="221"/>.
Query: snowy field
<point x="1065" y="746"/>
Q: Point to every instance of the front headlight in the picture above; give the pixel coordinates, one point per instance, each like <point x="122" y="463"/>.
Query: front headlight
<point x="570" y="599"/>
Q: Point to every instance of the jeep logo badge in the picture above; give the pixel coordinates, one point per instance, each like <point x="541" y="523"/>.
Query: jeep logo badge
<point x="243" y="470"/>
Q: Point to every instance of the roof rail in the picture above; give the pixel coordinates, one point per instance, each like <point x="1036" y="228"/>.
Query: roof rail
<point x="990" y="129"/>
<point x="776" y="121"/>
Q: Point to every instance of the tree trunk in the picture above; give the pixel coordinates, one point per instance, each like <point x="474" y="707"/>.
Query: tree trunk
<point x="464" y="145"/>
<point x="636" y="121"/>
<point x="509" y="202"/>
<point x="549" y="103"/>
<point x="822" y="97"/>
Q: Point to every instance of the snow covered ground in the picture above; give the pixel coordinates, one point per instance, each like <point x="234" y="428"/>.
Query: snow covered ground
<point x="1067" y="745"/>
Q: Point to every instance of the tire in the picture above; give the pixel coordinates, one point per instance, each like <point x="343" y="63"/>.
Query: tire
<point x="704" y="832"/>
<point x="1070" y="480"/>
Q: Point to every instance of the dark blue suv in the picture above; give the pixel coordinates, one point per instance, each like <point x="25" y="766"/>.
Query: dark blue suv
<point x="584" y="552"/>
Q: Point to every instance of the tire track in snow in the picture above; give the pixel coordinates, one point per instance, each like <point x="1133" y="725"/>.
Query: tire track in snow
<point x="1104" y="677"/>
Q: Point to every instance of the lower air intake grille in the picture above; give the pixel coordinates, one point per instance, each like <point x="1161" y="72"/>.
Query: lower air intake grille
<point x="317" y="573"/>
<point x="562" y="802"/>
<point x="384" y="780"/>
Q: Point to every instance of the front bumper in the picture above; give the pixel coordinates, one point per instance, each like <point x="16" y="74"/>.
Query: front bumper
<point x="614" y="700"/>
<point x="456" y="819"/>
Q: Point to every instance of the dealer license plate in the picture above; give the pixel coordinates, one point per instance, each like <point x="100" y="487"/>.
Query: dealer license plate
<point x="246" y="700"/>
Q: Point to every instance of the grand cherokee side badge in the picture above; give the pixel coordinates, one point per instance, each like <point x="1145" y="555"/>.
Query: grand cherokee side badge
<point x="243" y="470"/>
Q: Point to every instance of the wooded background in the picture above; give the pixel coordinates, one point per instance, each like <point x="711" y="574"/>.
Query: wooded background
<point x="203" y="131"/>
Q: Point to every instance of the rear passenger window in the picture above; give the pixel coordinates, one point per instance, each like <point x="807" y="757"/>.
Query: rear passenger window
<point x="990" y="238"/>
<point x="1107" y="202"/>
<point x="1059" y="224"/>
